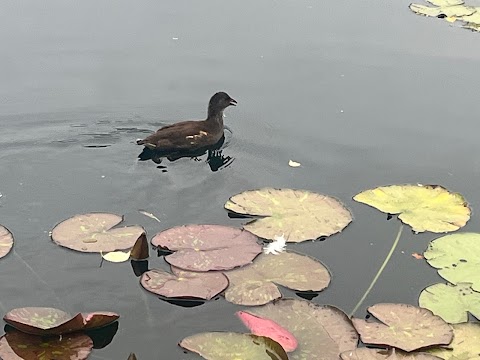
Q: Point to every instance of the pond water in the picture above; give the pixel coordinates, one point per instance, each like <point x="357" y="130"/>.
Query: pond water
<point x="360" y="93"/>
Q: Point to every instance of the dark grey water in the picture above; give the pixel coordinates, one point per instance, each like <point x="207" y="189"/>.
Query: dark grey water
<point x="361" y="93"/>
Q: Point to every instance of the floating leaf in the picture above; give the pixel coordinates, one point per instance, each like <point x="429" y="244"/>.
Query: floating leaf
<point x="448" y="11"/>
<point x="93" y="233"/>
<point x="16" y="345"/>
<point x="140" y="249"/>
<point x="184" y="284"/>
<point x="373" y="354"/>
<point x="298" y="214"/>
<point x="292" y="163"/>
<point x="465" y="344"/>
<point x="255" y="284"/>
<point x="208" y="247"/>
<point x="150" y="215"/>
<point x="451" y="302"/>
<point x="403" y="326"/>
<point x="266" y="327"/>
<point x="228" y="345"/>
<point x="423" y="207"/>
<point x="323" y="332"/>
<point x="6" y="241"/>
<point x="457" y="258"/>
<point x="116" y="256"/>
<point x="49" y="321"/>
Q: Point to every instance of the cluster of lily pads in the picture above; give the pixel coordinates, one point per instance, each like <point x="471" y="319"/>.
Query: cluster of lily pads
<point x="208" y="260"/>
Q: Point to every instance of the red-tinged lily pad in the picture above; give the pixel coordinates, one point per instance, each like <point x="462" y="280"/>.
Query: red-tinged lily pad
<point x="50" y="321"/>
<point x="6" y="241"/>
<point x="392" y="354"/>
<point x="266" y="327"/>
<point x="184" y="284"/>
<point x="256" y="284"/>
<point x="403" y="326"/>
<point x="208" y="247"/>
<point x="94" y="232"/>
<point x="16" y="345"/>
<point x="228" y="345"/>
<point x="323" y="332"/>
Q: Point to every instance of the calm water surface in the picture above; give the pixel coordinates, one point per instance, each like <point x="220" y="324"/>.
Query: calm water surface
<point x="361" y="93"/>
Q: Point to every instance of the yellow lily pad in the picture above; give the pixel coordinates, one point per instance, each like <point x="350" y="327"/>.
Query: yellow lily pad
<point x="423" y="207"/>
<point x="465" y="344"/>
<point x="448" y="11"/>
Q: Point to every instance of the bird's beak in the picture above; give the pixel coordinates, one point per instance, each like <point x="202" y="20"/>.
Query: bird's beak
<point x="233" y="102"/>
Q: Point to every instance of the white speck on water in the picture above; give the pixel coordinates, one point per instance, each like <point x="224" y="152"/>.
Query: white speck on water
<point x="174" y="38"/>
<point x="341" y="111"/>
<point x="103" y="176"/>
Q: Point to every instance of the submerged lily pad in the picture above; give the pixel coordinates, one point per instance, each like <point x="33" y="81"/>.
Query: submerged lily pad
<point x="228" y="345"/>
<point x="423" y="207"/>
<point x="184" y="284"/>
<point x="50" y="321"/>
<point x="208" y="247"/>
<point x="16" y="345"/>
<point x="323" y="332"/>
<point x="465" y="344"/>
<point x="256" y="284"/>
<point x="451" y="302"/>
<point x="6" y="241"/>
<point x="299" y="215"/>
<point x="94" y="232"/>
<point x="457" y="258"/>
<point x="392" y="354"/>
<point x="403" y="326"/>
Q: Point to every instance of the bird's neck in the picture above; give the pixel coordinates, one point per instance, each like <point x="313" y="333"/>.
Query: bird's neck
<point x="215" y="116"/>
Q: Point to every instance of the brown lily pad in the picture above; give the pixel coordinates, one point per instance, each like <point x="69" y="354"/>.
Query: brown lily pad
<point x="208" y="247"/>
<point x="16" y="345"/>
<point x="184" y="284"/>
<point x="323" y="332"/>
<point x="94" y="232"/>
<point x="6" y="241"/>
<point x="392" y="354"/>
<point x="50" y="321"/>
<point x="403" y="326"/>
<point x="257" y="284"/>
<point x="298" y="215"/>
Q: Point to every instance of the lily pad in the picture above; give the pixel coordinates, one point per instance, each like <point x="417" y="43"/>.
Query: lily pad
<point x="256" y="284"/>
<point x="451" y="302"/>
<point x="374" y="354"/>
<point x="299" y="215"/>
<point x="266" y="327"/>
<point x="208" y="247"/>
<point x="465" y="344"/>
<point x="457" y="258"/>
<point x="228" y="345"/>
<point x="184" y="284"/>
<point x="50" y="321"/>
<point x="423" y="207"/>
<point x="94" y="232"/>
<point x="403" y="326"/>
<point x="455" y="10"/>
<point x="6" y="241"/>
<point x="16" y="345"/>
<point x="323" y="332"/>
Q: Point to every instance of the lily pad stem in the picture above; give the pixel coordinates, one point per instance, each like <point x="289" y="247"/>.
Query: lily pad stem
<point x="379" y="272"/>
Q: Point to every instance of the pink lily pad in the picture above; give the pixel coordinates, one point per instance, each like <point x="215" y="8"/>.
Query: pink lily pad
<point x="269" y="328"/>
<point x="16" y="345"/>
<point x="208" y="247"/>
<point x="184" y="284"/>
<point x="50" y="321"/>
<point x="6" y="241"/>
<point x="94" y="232"/>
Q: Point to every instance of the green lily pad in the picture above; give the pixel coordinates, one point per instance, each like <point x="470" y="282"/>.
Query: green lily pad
<point x="184" y="284"/>
<point x="405" y="327"/>
<point x="423" y="207"/>
<point x="93" y="233"/>
<point x="457" y="258"/>
<point x="323" y="332"/>
<point x="16" y="345"/>
<point x="229" y="345"/>
<point x="392" y="354"/>
<point x="451" y="302"/>
<point x="465" y="344"/>
<point x="256" y="284"/>
<point x="208" y="247"/>
<point x="299" y="215"/>
<point x="6" y="241"/>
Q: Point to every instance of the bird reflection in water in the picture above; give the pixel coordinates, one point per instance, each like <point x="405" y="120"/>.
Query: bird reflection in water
<point x="215" y="159"/>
